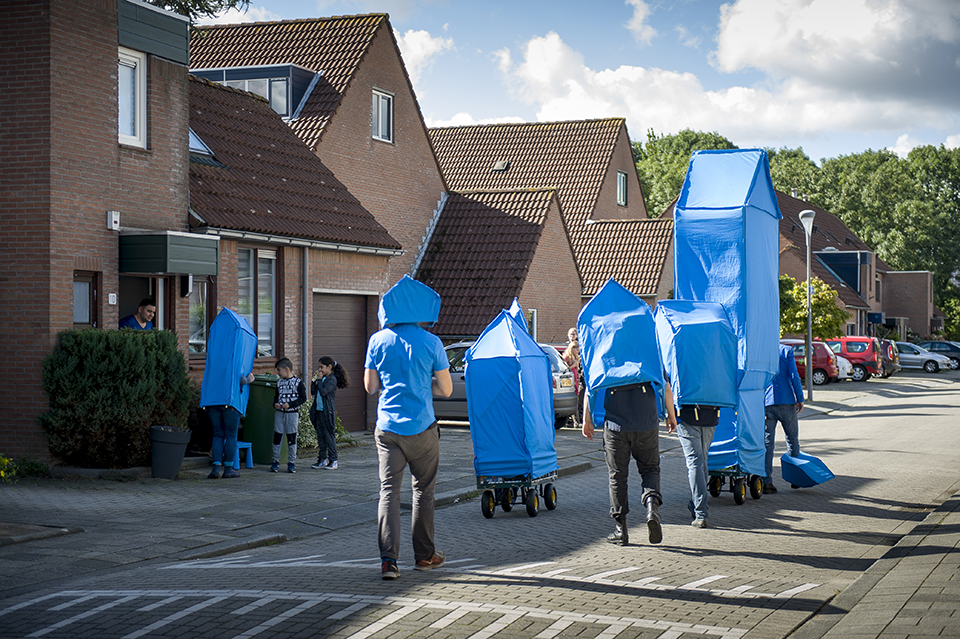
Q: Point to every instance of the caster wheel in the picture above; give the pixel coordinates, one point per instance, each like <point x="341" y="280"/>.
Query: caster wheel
<point x="533" y="502"/>
<point x="487" y="503"/>
<point x="550" y="496"/>
<point x="756" y="486"/>
<point x="506" y="499"/>
<point x="715" y="485"/>
<point x="739" y="491"/>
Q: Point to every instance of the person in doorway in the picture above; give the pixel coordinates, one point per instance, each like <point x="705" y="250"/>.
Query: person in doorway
<point x="287" y="398"/>
<point x="329" y="377"/>
<point x="404" y="366"/>
<point x="142" y="320"/>
<point x="784" y="399"/>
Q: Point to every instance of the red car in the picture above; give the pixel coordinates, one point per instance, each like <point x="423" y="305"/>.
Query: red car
<point x="825" y="368"/>
<point x="863" y="352"/>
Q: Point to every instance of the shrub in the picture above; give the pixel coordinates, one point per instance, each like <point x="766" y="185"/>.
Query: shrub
<point x="307" y="434"/>
<point x="106" y="389"/>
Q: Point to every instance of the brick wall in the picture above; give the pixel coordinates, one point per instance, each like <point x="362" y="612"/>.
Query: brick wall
<point x="621" y="160"/>
<point x="909" y="294"/>
<point x="398" y="182"/>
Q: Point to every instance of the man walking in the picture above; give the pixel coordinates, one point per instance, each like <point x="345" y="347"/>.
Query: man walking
<point x="783" y="401"/>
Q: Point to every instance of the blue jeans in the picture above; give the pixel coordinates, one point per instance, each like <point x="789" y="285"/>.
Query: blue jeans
<point x="695" y="441"/>
<point x="786" y="414"/>
<point x="225" y="421"/>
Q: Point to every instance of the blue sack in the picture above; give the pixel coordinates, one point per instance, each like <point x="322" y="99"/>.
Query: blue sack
<point x="231" y="348"/>
<point x="804" y="470"/>
<point x="409" y="302"/>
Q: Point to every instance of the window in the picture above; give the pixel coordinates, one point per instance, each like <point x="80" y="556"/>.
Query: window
<point x="257" y="295"/>
<point x="84" y="299"/>
<point x="621" y="188"/>
<point x="273" y="89"/>
<point x="132" y="95"/>
<point x="201" y="311"/>
<point x="382" y="116"/>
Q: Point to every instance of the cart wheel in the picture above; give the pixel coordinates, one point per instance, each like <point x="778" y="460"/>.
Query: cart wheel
<point x="487" y="504"/>
<point x="756" y="486"/>
<point x="716" y="483"/>
<point x="739" y="491"/>
<point x="550" y="496"/>
<point x="506" y="499"/>
<point x="533" y="502"/>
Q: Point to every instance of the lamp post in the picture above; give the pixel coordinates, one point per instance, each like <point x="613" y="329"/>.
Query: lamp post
<point x="806" y="218"/>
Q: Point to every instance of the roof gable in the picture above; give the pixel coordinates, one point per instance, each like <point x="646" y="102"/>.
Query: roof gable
<point x="265" y="179"/>
<point x="632" y="252"/>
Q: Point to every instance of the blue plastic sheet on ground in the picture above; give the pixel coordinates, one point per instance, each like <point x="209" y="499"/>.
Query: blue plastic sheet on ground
<point x="231" y="347"/>
<point x="409" y="302"/>
<point x="726" y="250"/>
<point x="804" y="470"/>
<point x="618" y="345"/>
<point x="510" y="402"/>
<point x="698" y="349"/>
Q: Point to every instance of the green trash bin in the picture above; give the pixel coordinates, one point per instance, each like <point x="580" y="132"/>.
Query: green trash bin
<point x="258" y="422"/>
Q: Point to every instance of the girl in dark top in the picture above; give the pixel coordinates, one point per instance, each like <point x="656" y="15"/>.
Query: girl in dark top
<point x="329" y="377"/>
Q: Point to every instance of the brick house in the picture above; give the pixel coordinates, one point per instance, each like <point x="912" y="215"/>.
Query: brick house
<point x="84" y="183"/>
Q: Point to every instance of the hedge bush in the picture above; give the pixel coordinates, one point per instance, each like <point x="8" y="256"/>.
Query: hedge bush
<point x="106" y="388"/>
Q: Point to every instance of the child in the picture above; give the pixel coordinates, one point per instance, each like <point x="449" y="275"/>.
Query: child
<point x="288" y="397"/>
<point x="329" y="377"/>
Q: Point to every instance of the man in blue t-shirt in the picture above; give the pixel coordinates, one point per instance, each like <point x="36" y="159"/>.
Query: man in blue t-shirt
<point x="142" y="320"/>
<point x="406" y="365"/>
<point x="784" y="399"/>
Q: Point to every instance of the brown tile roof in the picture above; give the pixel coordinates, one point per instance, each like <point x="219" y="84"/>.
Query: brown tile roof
<point x="631" y="251"/>
<point x="828" y="229"/>
<point x="269" y="181"/>
<point x="332" y="46"/>
<point x="479" y="254"/>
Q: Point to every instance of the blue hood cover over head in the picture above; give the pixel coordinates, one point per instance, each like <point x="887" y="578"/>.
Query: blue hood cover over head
<point x="409" y="302"/>
<point x="231" y="347"/>
<point x="510" y="402"/>
<point x="618" y="345"/>
<point x="517" y="314"/>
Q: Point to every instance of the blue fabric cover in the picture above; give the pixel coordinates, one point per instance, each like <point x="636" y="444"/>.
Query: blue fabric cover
<point x="699" y="352"/>
<point x="517" y="314"/>
<point x="231" y="347"/>
<point x="804" y="470"/>
<point x="510" y="402"/>
<point x="726" y="241"/>
<point x="618" y="345"/>
<point x="785" y="388"/>
<point x="409" y="302"/>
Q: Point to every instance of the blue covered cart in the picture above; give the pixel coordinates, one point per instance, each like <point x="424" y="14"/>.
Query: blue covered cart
<point x="510" y="405"/>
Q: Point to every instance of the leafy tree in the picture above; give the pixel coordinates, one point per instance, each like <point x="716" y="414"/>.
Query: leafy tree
<point x="829" y="320"/>
<point x="791" y="169"/>
<point x="195" y="9"/>
<point x="788" y="299"/>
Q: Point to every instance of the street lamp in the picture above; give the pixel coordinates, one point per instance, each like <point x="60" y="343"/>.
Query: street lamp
<point x="806" y="218"/>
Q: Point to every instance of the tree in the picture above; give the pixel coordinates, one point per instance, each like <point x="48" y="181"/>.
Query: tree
<point x="195" y="9"/>
<point x="791" y="169"/>
<point x="829" y="320"/>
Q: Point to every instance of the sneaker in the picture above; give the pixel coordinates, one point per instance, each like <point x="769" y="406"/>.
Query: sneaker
<point x="429" y="564"/>
<point x="291" y="468"/>
<point x="320" y="464"/>
<point x="699" y="523"/>
<point x="332" y="465"/>
<point x="275" y="467"/>
<point x="215" y="472"/>
<point x="389" y="570"/>
<point x="230" y="473"/>
<point x="769" y="489"/>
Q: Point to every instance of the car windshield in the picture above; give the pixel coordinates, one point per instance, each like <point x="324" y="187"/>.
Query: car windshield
<point x="456" y="354"/>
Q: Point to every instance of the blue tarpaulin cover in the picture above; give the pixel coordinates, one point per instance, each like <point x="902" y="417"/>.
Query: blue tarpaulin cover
<point x="517" y="314"/>
<point x="409" y="302"/>
<point x="510" y="402"/>
<point x="618" y="345"/>
<point x="804" y="470"/>
<point x="699" y="352"/>
<point x="726" y="241"/>
<point x="231" y="347"/>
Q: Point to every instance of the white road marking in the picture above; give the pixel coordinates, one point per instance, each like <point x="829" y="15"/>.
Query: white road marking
<point x="449" y="618"/>
<point x="377" y="626"/>
<point x="610" y="573"/>
<point x="496" y="626"/>
<point x="701" y="582"/>
<point x="796" y="591"/>
<point x="555" y="628"/>
<point x="166" y="621"/>
<point x="509" y="571"/>
<point x="82" y="615"/>
<point x="159" y="604"/>
<point x="270" y="623"/>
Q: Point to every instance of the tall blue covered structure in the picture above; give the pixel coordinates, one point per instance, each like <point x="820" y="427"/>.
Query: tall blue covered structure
<point x="726" y="243"/>
<point x="231" y="347"/>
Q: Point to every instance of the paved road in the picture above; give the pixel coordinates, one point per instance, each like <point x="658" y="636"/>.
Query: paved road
<point x="763" y="569"/>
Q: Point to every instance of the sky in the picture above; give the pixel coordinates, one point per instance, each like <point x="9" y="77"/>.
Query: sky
<point x="834" y="77"/>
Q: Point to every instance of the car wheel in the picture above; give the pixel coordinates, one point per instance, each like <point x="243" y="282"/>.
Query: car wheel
<point x="819" y="377"/>
<point x="560" y="422"/>
<point x="931" y="366"/>
<point x="860" y="373"/>
<point x="956" y="362"/>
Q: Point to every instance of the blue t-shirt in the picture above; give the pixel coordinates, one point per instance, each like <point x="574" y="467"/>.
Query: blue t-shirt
<point x="405" y="356"/>
<point x="130" y="321"/>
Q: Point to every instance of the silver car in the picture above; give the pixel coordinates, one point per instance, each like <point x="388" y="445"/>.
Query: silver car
<point x="916" y="357"/>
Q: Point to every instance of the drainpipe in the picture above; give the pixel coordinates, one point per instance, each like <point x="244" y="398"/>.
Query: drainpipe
<point x="305" y="337"/>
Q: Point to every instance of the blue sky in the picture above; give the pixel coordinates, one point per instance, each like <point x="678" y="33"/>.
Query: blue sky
<point x="832" y="76"/>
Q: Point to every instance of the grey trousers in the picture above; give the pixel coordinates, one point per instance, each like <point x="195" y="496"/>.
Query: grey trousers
<point x="618" y="448"/>
<point x="395" y="452"/>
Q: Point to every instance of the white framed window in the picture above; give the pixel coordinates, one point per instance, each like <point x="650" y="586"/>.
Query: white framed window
<point x="273" y="89"/>
<point x="132" y="96"/>
<point x="257" y="295"/>
<point x="382" y="116"/>
<point x="621" y="188"/>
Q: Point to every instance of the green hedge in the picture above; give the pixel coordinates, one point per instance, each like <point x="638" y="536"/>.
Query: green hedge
<point x="106" y="388"/>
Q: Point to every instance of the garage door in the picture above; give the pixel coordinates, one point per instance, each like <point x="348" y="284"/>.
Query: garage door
<point x="339" y="331"/>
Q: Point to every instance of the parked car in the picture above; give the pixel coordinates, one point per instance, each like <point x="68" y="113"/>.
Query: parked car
<point x="824" y="361"/>
<point x="890" y="357"/>
<point x="455" y="406"/>
<point x="913" y="356"/>
<point x="844" y="367"/>
<point x="950" y="349"/>
<point x="863" y="353"/>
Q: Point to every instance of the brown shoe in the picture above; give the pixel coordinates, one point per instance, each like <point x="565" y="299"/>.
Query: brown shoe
<point x="429" y="564"/>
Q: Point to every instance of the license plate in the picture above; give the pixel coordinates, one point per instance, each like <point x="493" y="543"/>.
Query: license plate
<point x="566" y="382"/>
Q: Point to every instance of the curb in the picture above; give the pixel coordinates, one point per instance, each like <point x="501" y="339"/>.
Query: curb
<point x="137" y="472"/>
<point x="42" y="534"/>
<point x="229" y="547"/>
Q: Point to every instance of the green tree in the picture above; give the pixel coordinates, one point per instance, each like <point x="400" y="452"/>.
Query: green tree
<point x="195" y="9"/>
<point x="829" y="320"/>
<point x="791" y="169"/>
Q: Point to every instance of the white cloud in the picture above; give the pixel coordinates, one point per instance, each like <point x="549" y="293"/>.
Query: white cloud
<point x="953" y="141"/>
<point x="418" y="48"/>
<point x="465" y="119"/>
<point x="637" y="25"/>
<point x="905" y="144"/>
<point x="686" y="39"/>
<point x="235" y="16"/>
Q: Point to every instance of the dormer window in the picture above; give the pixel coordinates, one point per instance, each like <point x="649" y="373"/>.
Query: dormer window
<point x="381" y="117"/>
<point x="284" y="86"/>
